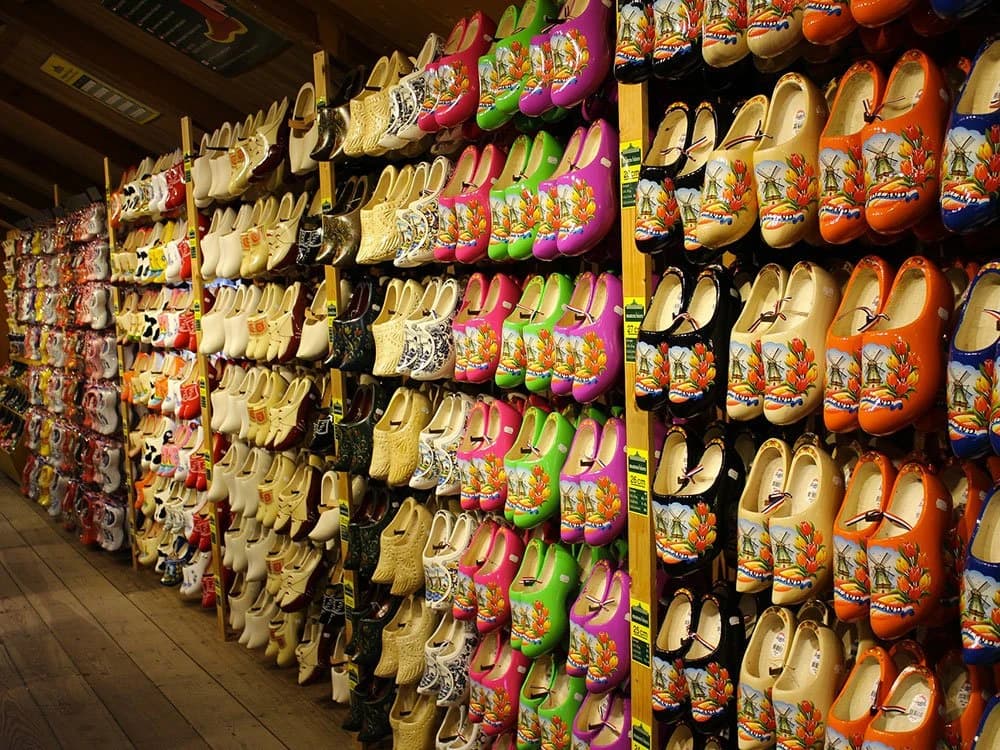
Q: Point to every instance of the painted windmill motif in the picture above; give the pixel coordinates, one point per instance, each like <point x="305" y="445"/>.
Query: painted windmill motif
<point x="737" y="368"/>
<point x="750" y="706"/>
<point x="774" y="371"/>
<point x="831" y="183"/>
<point x="644" y="197"/>
<point x="836" y="375"/>
<point x="712" y="185"/>
<point x="881" y="582"/>
<point x="771" y="189"/>
<point x="960" y="159"/>
<point x="782" y="550"/>
<point x="843" y="565"/>
<point x="668" y="25"/>
<point x="960" y="392"/>
<point x="689" y="212"/>
<point x="977" y="602"/>
<point x="884" y="164"/>
<point x="873" y="370"/>
<point x="680" y="372"/>
<point x="757" y="6"/>
<point x="748" y="547"/>
<point x="783" y="720"/>
<point x="645" y="356"/>
<point x="696" y="686"/>
<point x="714" y="9"/>
<point x="661" y="678"/>
<point x="630" y="24"/>
<point x="676" y="524"/>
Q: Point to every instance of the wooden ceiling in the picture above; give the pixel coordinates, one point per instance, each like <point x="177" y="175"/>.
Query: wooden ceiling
<point x="50" y="133"/>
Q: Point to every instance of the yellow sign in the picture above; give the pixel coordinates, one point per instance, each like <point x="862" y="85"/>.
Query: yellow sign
<point x="63" y="70"/>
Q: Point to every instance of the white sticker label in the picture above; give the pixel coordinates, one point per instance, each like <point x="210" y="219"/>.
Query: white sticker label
<point x="918" y="709"/>
<point x="942" y="313"/>
<point x="941" y="505"/>
<point x="778" y="645"/>
<point x="814" y="662"/>
<point x="799" y="122"/>
<point x="733" y="474"/>
<point x="777" y="481"/>
<point x="605" y="162"/>
<point x="964" y="693"/>
<point x="813" y="490"/>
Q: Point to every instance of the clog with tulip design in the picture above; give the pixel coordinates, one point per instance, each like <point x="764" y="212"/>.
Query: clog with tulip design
<point x="765" y="657"/>
<point x="729" y="194"/>
<point x="537" y="685"/>
<point x="559" y="708"/>
<point x="980" y="601"/>
<point x="905" y="557"/>
<point x="774" y="26"/>
<point x="457" y="75"/>
<point x="670" y="693"/>
<point x="587" y="191"/>
<point x="724" y="32"/>
<point x="493" y="578"/>
<point x="841" y="153"/>
<point x="608" y="639"/>
<point x="864" y="298"/>
<point x="502" y="426"/>
<point x="472" y="207"/>
<point x="901" y="367"/>
<point x="706" y="132"/>
<point x="484" y="328"/>
<point x="902" y="145"/>
<point x="634" y="41"/>
<point x="493" y="75"/>
<point x="712" y="663"/>
<point x="581" y="50"/>
<point x="539" y="343"/>
<point x="498" y="690"/>
<point x="970" y="161"/>
<point x="604" y="486"/>
<point x="658" y="225"/>
<point x="446" y="239"/>
<point x="867" y="492"/>
<point x="568" y="344"/>
<point x="826" y="22"/>
<point x="545" y="621"/>
<point x="472" y="303"/>
<point x="515" y="459"/>
<point x="600" y="358"/>
<point x="522" y="197"/>
<point x="574" y="503"/>
<point x="544" y="244"/>
<point x="587" y="605"/>
<point x="500" y="219"/>
<point x="971" y="364"/>
<point x="652" y="350"/>
<point x="911" y="715"/>
<point x="513" y="356"/>
<point x="761" y="496"/>
<point x="537" y="476"/>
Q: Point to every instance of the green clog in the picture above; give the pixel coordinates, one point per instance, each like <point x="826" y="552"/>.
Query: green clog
<point x="548" y="615"/>
<point x="536" y="688"/>
<point x="513" y="358"/>
<point x="522" y="195"/>
<point x="513" y="58"/>
<point x="538" y="476"/>
<point x="587" y="557"/>
<point x="557" y="711"/>
<point x="517" y="458"/>
<point x="524" y="589"/>
<point x="492" y="73"/>
<point x="539" y="344"/>
<point x="517" y="161"/>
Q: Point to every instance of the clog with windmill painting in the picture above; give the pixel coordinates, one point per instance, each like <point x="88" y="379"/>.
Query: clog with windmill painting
<point x="658" y="226"/>
<point x="706" y="131"/>
<point x="634" y="41"/>
<point x="600" y="358"/>
<point x="457" y="75"/>
<point x="581" y="50"/>
<point x="549" y="209"/>
<point x="537" y="334"/>
<point x="794" y="369"/>
<point x="724" y="32"/>
<point x="513" y="55"/>
<point x="712" y="664"/>
<point x="801" y="525"/>
<point x="491" y="74"/>
<point x="864" y="297"/>
<point x="764" y="660"/>
<point x="676" y="43"/>
<point x="866" y="688"/>
<point x="587" y="192"/>
<point x="905" y="559"/>
<point x="652" y="349"/>
<point x="670" y="693"/>
<point x="971" y="364"/>
<point x="867" y="492"/>
<point x="911" y="715"/>
<point x="841" y="153"/>
<point x="729" y="195"/>
<point x="774" y="26"/>
<point x="970" y="162"/>
<point x="826" y="22"/>
<point x="787" y="167"/>
<point x="981" y="588"/>
<point x="747" y="377"/>
<point x="762" y="494"/>
<point x="902" y="368"/>
<point x="522" y="195"/>
<point x="902" y="145"/>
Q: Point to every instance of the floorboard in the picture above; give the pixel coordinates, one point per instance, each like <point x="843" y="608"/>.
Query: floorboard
<point x="96" y="654"/>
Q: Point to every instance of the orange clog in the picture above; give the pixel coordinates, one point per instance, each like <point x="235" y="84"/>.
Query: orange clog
<point x="964" y="695"/>
<point x="873" y="13"/>
<point x="867" y="493"/>
<point x="907" y="653"/>
<point x="910" y="718"/>
<point x="841" y="154"/>
<point x="902" y="145"/>
<point x="866" y="689"/>
<point x="905" y="558"/>
<point x="826" y="22"/>
<point x="864" y="297"/>
<point x="902" y="365"/>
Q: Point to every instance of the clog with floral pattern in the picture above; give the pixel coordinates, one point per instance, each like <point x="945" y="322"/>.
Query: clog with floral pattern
<point x="497" y="691"/>
<point x="447" y="232"/>
<point x="658" y="225"/>
<point x="544" y="244"/>
<point x="980" y="612"/>
<point x="826" y="22"/>
<point x="473" y="299"/>
<point x="513" y="56"/>
<point x="493" y="578"/>
<point x="864" y="298"/>
<point x="712" y="663"/>
<point x="536" y="96"/>
<point x="673" y="641"/>
<point x="600" y="358"/>
<point x="502" y="426"/>
<point x="902" y="367"/>
<point x="729" y="194"/>
<point x="588" y="604"/>
<point x="536" y="687"/>
<point x="605" y="487"/>
<point x="608" y="638"/>
<point x="464" y="603"/>
<point x="539" y="343"/>
<point x="634" y="41"/>
<point x="766" y="654"/>
<point x="867" y="493"/>
<point x="866" y="688"/>
<point x="457" y="74"/>
<point x="652" y="349"/>
<point x="485" y="326"/>
<point x="546" y="618"/>
<point x="902" y="145"/>
<point x="708" y="122"/>
<point x="574" y="507"/>
<point x="905" y="557"/>
<point x="472" y="443"/>
<point x="724" y="32"/>
<point x="557" y="711"/>
<point x="588" y="191"/>
<point x="513" y="356"/>
<point x="911" y="715"/>
<point x="774" y="26"/>
<point x="567" y="343"/>
<point x="522" y="196"/>
<point x="536" y="478"/>
<point x="971" y="363"/>
<point x="676" y="47"/>
<point x="492" y="76"/>
<point x="515" y="459"/>
<point x="500" y="218"/>
<point x="970" y="161"/>
<point x="472" y="207"/>
<point x="581" y="50"/>
<point x="841" y="152"/>
<point x="801" y="526"/>
<point x="762" y="494"/>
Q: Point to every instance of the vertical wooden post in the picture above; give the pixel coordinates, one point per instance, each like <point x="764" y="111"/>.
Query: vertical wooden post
<point x="194" y="242"/>
<point x="122" y="406"/>
<point x="57" y="201"/>
<point x="637" y="282"/>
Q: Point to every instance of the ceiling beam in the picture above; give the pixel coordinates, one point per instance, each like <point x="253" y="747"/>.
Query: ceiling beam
<point x="78" y="126"/>
<point x="27" y="195"/>
<point x="40" y="164"/>
<point x="363" y="45"/>
<point x="137" y="76"/>
<point x="15" y="204"/>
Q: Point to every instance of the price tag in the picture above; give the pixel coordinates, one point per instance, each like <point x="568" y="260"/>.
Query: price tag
<point x="635" y="311"/>
<point x="337" y="410"/>
<point x="345" y="518"/>
<point x="630" y="153"/>
<point x="352" y="674"/>
<point x="642" y="735"/>
<point x="642" y="639"/>
<point x="638" y="481"/>
<point x="348" y="593"/>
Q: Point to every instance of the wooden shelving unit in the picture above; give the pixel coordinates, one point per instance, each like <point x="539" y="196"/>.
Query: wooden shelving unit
<point x="637" y="287"/>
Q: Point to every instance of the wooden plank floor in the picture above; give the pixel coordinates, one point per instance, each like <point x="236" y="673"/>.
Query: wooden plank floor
<point x="94" y="654"/>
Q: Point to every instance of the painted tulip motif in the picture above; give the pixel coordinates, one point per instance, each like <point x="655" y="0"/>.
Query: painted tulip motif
<point x="678" y="26"/>
<point x="636" y="34"/>
<point x="969" y="392"/>
<point x="726" y="192"/>
<point x="900" y="578"/>
<point x="891" y="374"/>
<point x="970" y="168"/>
<point x="725" y="21"/>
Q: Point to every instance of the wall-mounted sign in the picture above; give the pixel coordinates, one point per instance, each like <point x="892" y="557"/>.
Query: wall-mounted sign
<point x="63" y="70"/>
<point x="211" y="32"/>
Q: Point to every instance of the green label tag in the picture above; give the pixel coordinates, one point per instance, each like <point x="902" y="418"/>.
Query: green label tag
<point x="642" y="735"/>
<point x="631" y="159"/>
<point x="638" y="481"/>
<point x="642" y="643"/>
<point x="635" y="311"/>
<point x="352" y="674"/>
<point x="337" y="410"/>
<point x="348" y="594"/>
